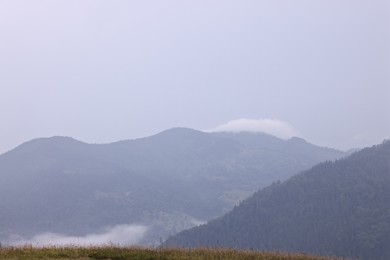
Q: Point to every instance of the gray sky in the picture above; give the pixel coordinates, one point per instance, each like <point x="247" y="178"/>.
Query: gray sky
<point x="102" y="71"/>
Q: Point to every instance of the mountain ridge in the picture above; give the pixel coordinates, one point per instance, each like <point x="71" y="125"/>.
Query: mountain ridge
<point x="168" y="181"/>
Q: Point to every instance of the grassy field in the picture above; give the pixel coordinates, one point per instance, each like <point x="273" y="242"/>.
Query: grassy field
<point x="119" y="253"/>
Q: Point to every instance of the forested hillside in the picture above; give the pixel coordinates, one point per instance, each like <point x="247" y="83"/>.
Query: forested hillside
<point x="336" y="208"/>
<point x="166" y="182"/>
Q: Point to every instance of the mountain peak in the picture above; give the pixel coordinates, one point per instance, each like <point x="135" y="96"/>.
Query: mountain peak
<point x="47" y="143"/>
<point x="54" y="140"/>
<point x="179" y="132"/>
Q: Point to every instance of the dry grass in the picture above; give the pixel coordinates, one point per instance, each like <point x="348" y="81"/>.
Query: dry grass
<point x="136" y="253"/>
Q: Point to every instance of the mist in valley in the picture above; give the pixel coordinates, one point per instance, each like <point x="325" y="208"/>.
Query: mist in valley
<point x="119" y="235"/>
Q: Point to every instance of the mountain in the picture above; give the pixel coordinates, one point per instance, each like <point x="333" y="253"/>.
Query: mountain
<point x="335" y="208"/>
<point x="167" y="182"/>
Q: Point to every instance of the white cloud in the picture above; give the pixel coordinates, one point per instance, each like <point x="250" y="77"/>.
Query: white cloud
<point x="117" y="235"/>
<point x="274" y="127"/>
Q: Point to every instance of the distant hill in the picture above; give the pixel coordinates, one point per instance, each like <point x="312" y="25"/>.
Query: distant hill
<point x="335" y="208"/>
<point x="168" y="182"/>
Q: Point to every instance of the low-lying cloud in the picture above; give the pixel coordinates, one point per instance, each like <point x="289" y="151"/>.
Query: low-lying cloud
<point x="273" y="127"/>
<point x="118" y="235"/>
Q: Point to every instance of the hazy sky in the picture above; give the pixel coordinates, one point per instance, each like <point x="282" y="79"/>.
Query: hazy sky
<point x="102" y="71"/>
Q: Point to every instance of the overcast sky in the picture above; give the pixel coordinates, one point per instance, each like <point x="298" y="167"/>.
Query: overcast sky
<point x="102" y="71"/>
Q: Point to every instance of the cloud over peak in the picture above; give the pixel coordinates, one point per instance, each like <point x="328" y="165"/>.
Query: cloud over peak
<point x="274" y="127"/>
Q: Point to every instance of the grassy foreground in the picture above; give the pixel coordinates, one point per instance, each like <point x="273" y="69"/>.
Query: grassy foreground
<point x="119" y="253"/>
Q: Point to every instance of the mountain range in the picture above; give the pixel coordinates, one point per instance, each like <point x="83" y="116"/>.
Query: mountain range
<point x="337" y="208"/>
<point x="168" y="182"/>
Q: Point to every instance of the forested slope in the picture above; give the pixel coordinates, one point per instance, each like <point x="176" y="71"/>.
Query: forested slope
<point x="336" y="208"/>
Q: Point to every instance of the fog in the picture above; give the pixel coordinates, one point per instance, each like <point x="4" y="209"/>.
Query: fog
<point x="273" y="127"/>
<point x="121" y="235"/>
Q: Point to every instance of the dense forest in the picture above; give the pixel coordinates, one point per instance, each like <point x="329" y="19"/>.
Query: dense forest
<point x="335" y="208"/>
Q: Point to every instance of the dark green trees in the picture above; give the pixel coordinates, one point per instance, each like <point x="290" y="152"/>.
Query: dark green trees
<point x="336" y="208"/>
